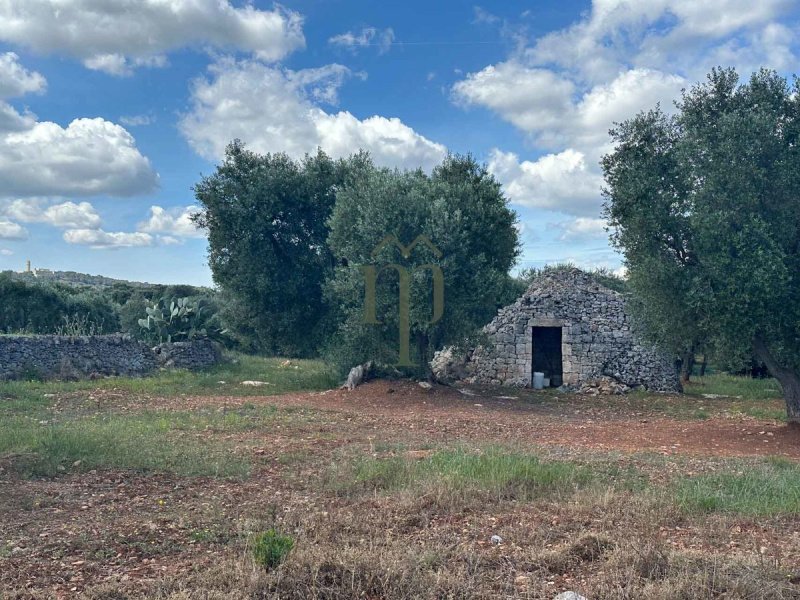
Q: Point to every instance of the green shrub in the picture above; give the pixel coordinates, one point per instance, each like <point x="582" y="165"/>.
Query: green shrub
<point x="271" y="548"/>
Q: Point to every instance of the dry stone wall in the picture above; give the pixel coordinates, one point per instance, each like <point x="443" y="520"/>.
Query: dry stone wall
<point x="597" y="337"/>
<point x="68" y="357"/>
<point x="196" y="354"/>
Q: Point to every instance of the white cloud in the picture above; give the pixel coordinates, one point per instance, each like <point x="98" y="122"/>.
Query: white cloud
<point x="6" y="252"/>
<point x="548" y="108"/>
<point x="176" y="223"/>
<point x="137" y="120"/>
<point x="16" y="80"/>
<point x="272" y="110"/>
<point x="582" y="228"/>
<point x="771" y="45"/>
<point x="65" y="214"/>
<point x="561" y="182"/>
<point x="119" y="65"/>
<point x="568" y="89"/>
<point x="531" y="99"/>
<point x="117" y="36"/>
<point x="168" y="240"/>
<point x="41" y="158"/>
<point x="321" y="84"/>
<point x="98" y="239"/>
<point x="660" y="34"/>
<point x="88" y="157"/>
<point x="12" y="231"/>
<point x="627" y="94"/>
<point x="369" y="36"/>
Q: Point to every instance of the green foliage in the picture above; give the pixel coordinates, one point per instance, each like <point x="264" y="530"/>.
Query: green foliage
<point x="45" y="308"/>
<point x="271" y="548"/>
<point x="768" y="488"/>
<point x="172" y="320"/>
<point x="287" y="240"/>
<point x="267" y="222"/>
<point x="177" y="319"/>
<point x="705" y="205"/>
<point x="462" y="211"/>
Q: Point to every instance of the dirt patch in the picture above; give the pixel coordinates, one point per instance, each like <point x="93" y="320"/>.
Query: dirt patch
<point x="444" y="413"/>
<point x="133" y="531"/>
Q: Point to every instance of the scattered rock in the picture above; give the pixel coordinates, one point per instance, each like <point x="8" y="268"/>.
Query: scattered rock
<point x="570" y="596"/>
<point x="357" y="376"/>
<point x="425" y="385"/>
<point x="603" y="386"/>
<point x="253" y="383"/>
<point x="447" y="367"/>
<point x="496" y="539"/>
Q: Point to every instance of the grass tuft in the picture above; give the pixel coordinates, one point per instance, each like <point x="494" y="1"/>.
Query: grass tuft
<point x="178" y="442"/>
<point x="769" y="488"/>
<point x="723" y="384"/>
<point x="502" y="473"/>
<point x="271" y="548"/>
<point x="224" y="379"/>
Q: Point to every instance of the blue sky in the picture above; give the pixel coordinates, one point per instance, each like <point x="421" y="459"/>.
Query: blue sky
<point x="111" y="111"/>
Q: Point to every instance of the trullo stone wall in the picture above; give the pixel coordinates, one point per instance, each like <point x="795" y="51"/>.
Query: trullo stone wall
<point x="596" y="337"/>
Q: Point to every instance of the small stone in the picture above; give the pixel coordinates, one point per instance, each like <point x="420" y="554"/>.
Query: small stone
<point x="522" y="581"/>
<point x="570" y="596"/>
<point x="425" y="385"/>
<point x="496" y="539"/>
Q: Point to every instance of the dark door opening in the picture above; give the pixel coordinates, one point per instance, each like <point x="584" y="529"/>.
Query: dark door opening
<point x="547" y="353"/>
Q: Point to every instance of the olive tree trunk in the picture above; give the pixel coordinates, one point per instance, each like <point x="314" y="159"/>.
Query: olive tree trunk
<point x="687" y="365"/>
<point x="787" y="378"/>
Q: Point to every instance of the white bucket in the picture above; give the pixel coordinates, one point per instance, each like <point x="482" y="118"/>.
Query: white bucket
<point x="538" y="380"/>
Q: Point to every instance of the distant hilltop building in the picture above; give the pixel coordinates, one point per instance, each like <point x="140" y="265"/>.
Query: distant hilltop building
<point x="69" y="277"/>
<point x="29" y="271"/>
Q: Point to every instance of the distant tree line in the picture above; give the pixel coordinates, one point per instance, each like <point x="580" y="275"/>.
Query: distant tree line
<point x="34" y="307"/>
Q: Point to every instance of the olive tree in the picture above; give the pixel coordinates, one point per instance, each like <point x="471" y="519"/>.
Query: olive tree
<point x="705" y="206"/>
